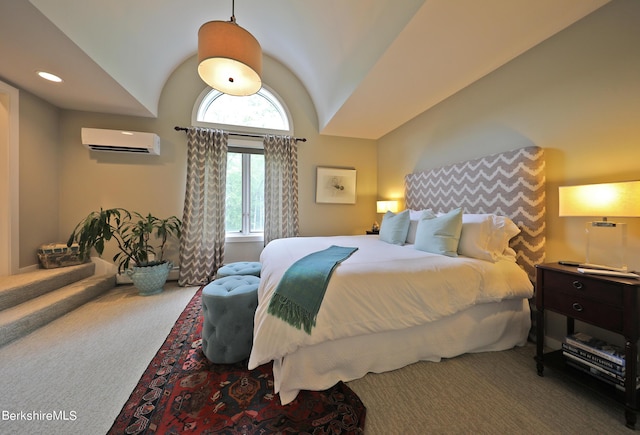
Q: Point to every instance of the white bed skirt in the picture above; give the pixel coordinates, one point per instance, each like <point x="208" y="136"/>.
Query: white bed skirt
<point x="486" y="327"/>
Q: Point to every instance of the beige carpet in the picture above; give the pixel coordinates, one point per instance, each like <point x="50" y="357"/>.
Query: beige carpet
<point x="486" y="393"/>
<point x="84" y="366"/>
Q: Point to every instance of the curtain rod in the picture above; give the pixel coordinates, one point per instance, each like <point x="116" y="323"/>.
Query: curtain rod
<point x="297" y="139"/>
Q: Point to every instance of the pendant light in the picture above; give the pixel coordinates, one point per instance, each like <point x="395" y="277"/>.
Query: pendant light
<point x="229" y="57"/>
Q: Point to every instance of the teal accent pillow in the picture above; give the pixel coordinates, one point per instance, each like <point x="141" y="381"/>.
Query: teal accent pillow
<point x="414" y="218"/>
<point x="440" y="235"/>
<point x="394" y="227"/>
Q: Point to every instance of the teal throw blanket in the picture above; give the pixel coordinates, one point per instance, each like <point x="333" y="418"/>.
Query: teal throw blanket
<point x="300" y="292"/>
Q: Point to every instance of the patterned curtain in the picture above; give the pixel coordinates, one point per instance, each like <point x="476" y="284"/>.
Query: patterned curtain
<point x="280" y="187"/>
<point x="203" y="233"/>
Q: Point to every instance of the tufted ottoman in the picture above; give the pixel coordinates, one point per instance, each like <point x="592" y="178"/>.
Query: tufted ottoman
<point x="228" y="307"/>
<point x="240" y="268"/>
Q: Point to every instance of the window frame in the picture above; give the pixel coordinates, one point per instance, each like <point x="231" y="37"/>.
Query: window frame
<point x="245" y="234"/>
<point x="231" y="128"/>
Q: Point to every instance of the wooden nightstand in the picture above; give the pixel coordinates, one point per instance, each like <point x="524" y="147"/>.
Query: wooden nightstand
<point x="606" y="302"/>
<point x="373" y="232"/>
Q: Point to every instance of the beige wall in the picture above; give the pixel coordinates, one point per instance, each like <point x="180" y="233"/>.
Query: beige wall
<point x="39" y="172"/>
<point x="577" y="95"/>
<point x="90" y="180"/>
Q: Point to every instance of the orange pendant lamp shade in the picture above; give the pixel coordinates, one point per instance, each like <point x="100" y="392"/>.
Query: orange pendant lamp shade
<point x="229" y="58"/>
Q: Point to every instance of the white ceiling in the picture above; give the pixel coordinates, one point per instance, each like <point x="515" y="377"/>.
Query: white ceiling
<point x="368" y="65"/>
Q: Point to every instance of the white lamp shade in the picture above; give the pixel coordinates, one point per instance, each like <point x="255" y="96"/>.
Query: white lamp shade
<point x="605" y="200"/>
<point x="385" y="206"/>
<point x="229" y="58"/>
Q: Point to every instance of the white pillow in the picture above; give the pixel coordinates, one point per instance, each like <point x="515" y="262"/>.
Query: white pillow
<point x="509" y="254"/>
<point x="394" y="227"/>
<point x="486" y="236"/>
<point x="505" y="230"/>
<point x="414" y="217"/>
<point x="475" y="237"/>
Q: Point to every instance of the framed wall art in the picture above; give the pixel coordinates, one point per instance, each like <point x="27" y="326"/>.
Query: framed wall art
<point x="335" y="186"/>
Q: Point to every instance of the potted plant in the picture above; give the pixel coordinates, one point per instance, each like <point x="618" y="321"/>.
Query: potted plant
<point x="141" y="242"/>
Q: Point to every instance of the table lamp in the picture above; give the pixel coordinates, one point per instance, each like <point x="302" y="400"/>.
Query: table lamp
<point x="385" y="206"/>
<point x="606" y="240"/>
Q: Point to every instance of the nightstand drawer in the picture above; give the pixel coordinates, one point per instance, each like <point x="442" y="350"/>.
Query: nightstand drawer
<point x="585" y="309"/>
<point x="583" y="287"/>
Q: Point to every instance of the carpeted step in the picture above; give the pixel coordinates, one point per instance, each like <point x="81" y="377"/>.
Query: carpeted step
<point x="20" y="320"/>
<point x="16" y="289"/>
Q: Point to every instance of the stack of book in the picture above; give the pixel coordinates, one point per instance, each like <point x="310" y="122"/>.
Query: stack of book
<point x="596" y="357"/>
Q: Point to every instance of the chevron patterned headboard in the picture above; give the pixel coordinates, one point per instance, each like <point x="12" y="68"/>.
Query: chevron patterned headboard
<point x="510" y="184"/>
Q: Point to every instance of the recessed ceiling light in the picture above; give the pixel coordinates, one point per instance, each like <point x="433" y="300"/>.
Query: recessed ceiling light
<point x="48" y="76"/>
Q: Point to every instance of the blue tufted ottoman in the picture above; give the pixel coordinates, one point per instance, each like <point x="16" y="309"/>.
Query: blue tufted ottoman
<point x="240" y="268"/>
<point x="228" y="307"/>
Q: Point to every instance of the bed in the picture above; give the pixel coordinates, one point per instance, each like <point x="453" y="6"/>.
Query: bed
<point x="390" y="305"/>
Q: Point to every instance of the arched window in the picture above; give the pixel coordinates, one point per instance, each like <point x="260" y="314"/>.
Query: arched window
<point x="258" y="114"/>
<point x="261" y="113"/>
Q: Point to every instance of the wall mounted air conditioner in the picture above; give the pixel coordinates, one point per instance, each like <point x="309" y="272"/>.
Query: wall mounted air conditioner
<point x="121" y="141"/>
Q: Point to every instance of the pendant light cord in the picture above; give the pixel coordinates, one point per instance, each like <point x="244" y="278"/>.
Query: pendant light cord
<point x="233" y="11"/>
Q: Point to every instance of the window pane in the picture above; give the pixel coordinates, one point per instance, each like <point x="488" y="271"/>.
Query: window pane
<point x="256" y="213"/>
<point x="261" y="110"/>
<point x="233" y="204"/>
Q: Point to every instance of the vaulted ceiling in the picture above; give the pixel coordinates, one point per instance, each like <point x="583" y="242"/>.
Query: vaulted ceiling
<point x="368" y="65"/>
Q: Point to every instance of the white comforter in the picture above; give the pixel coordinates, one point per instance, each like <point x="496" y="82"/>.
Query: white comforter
<point x="380" y="287"/>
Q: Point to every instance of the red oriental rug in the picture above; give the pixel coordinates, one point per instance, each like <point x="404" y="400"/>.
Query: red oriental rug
<point x="182" y="392"/>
